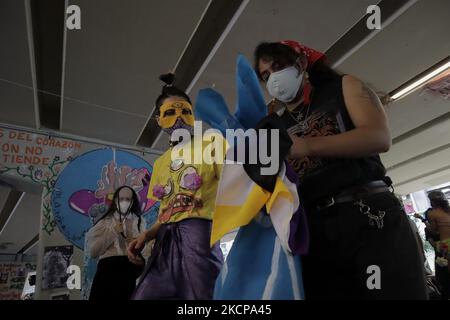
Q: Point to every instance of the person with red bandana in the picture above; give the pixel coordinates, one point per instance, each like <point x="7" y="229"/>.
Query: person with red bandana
<point x="361" y="244"/>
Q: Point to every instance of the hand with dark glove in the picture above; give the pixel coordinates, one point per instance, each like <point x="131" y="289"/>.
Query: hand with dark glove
<point x="256" y="171"/>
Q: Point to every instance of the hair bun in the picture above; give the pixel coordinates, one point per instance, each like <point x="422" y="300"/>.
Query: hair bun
<point x="168" y="79"/>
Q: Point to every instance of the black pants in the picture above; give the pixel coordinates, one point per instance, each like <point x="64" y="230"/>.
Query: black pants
<point x="443" y="281"/>
<point x="350" y="259"/>
<point x="115" y="279"/>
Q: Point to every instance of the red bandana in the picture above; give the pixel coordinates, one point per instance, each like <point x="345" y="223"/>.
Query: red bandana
<point x="312" y="56"/>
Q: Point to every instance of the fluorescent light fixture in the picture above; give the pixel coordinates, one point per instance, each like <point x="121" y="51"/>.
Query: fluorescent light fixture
<point x="421" y="79"/>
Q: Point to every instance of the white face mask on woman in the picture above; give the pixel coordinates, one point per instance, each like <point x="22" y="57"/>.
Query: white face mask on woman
<point x="283" y="85"/>
<point x="124" y="206"/>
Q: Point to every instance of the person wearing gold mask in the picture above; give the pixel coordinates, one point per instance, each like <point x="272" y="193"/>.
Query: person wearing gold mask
<point x="183" y="265"/>
<point x="175" y="114"/>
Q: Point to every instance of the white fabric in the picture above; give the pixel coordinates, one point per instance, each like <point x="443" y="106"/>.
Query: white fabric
<point x="104" y="241"/>
<point x="234" y="184"/>
<point x="268" y="290"/>
<point x="283" y="210"/>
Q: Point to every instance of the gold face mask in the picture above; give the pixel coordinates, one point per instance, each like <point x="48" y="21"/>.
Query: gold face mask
<point x="169" y="113"/>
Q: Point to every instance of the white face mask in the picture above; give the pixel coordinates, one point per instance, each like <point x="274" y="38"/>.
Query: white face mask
<point x="124" y="206"/>
<point x="283" y="85"/>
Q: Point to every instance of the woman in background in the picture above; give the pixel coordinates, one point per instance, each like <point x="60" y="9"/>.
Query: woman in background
<point x="116" y="275"/>
<point x="439" y="224"/>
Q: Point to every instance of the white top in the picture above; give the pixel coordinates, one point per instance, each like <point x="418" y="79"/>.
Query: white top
<point x="104" y="241"/>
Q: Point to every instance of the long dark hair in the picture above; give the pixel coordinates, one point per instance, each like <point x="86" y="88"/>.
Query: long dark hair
<point x="135" y="207"/>
<point x="169" y="90"/>
<point x="320" y="72"/>
<point x="438" y="200"/>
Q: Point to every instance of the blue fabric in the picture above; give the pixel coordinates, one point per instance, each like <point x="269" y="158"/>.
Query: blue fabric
<point x="250" y="108"/>
<point x="257" y="267"/>
<point x="212" y="109"/>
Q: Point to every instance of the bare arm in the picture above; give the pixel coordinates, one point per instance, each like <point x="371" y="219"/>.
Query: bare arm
<point x="137" y="245"/>
<point x="370" y="136"/>
<point x="153" y="231"/>
<point x="433" y="226"/>
<point x="431" y="231"/>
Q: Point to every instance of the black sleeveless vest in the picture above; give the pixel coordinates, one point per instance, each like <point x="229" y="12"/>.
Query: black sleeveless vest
<point x="327" y="115"/>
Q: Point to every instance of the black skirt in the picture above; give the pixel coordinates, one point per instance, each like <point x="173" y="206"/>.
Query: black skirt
<point x="115" y="279"/>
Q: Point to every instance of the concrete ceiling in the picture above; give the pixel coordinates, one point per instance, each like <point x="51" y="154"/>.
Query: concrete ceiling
<point x="412" y="43"/>
<point x="272" y="20"/>
<point x="269" y="20"/>
<point x="112" y="64"/>
<point x="100" y="82"/>
<point x="16" y="85"/>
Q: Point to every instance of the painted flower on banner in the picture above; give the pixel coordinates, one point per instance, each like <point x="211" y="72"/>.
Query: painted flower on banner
<point x="38" y="174"/>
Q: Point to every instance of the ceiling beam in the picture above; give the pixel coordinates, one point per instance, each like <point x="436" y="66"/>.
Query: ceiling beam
<point x="414" y="132"/>
<point x="419" y="157"/>
<point x="63" y="70"/>
<point x="424" y="175"/>
<point x="48" y="24"/>
<point x="359" y="34"/>
<point x="427" y="125"/>
<point x="29" y="245"/>
<point x="10" y="206"/>
<point x="32" y="56"/>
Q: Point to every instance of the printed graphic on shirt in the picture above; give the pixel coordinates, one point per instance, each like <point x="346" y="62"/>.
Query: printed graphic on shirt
<point x="184" y="190"/>
<point x="318" y="124"/>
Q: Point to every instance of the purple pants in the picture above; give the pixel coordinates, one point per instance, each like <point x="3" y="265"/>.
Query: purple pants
<point x="182" y="266"/>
